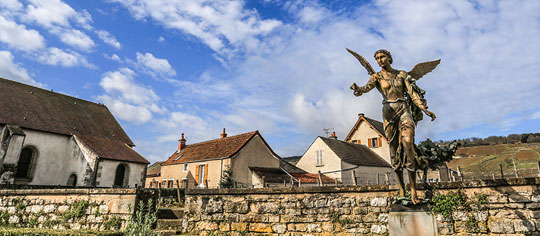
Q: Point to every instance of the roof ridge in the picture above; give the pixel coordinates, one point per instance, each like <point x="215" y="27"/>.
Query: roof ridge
<point x="219" y="139"/>
<point x="49" y="91"/>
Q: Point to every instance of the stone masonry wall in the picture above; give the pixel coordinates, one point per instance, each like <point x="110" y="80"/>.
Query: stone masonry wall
<point x="509" y="207"/>
<point x="96" y="209"/>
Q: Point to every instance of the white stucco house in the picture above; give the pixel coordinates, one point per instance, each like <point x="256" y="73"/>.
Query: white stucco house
<point x="47" y="138"/>
<point x="338" y="159"/>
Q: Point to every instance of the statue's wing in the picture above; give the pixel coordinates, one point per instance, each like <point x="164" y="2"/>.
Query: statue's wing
<point x="362" y="61"/>
<point x="423" y="68"/>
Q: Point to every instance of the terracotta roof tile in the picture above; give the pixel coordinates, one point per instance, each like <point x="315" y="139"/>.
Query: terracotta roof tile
<point x="212" y="149"/>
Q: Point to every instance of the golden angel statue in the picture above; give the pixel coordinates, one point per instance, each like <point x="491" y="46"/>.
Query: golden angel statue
<point x="403" y="104"/>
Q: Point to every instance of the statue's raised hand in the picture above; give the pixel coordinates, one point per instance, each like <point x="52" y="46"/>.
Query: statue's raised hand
<point x="355" y="88"/>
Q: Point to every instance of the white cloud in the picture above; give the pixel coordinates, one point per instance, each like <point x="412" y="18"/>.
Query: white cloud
<point x="155" y="66"/>
<point x="127" y="99"/>
<point x="113" y="57"/>
<point x="312" y="14"/>
<point x="77" y="39"/>
<point x="161" y="39"/>
<point x="109" y="39"/>
<point x="11" y="70"/>
<point x="49" y="13"/>
<point x="55" y="56"/>
<point x="18" y="37"/>
<point x="225" y="26"/>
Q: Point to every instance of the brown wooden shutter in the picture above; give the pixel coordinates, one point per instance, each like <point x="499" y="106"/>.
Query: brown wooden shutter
<point x="359" y="141"/>
<point x="369" y="142"/>
<point x="196" y="174"/>
<point x="380" y="141"/>
<point x="205" y="173"/>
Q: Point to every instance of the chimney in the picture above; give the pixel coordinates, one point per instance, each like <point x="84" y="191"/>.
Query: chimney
<point x="333" y="136"/>
<point x="223" y="135"/>
<point x="360" y="115"/>
<point x="181" y="143"/>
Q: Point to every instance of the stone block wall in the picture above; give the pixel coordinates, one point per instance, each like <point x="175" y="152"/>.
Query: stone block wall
<point x="95" y="209"/>
<point x="506" y="207"/>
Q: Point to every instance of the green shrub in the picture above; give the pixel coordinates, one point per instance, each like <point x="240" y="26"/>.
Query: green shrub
<point x="142" y="222"/>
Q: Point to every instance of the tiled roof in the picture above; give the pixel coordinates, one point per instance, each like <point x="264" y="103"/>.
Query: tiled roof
<point x="112" y="149"/>
<point x="34" y="108"/>
<point x="154" y="169"/>
<point x="276" y="175"/>
<point x="356" y="154"/>
<point x="374" y="123"/>
<point x="39" y="109"/>
<point x="310" y="178"/>
<point x="213" y="149"/>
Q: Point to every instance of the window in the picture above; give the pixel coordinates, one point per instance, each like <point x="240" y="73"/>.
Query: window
<point x="374" y="142"/>
<point x="169" y="183"/>
<point x="186" y="167"/>
<point x="184" y="183"/>
<point x="201" y="174"/>
<point x="319" y="158"/>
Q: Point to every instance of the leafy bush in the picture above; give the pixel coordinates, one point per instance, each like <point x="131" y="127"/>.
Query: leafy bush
<point x="143" y="221"/>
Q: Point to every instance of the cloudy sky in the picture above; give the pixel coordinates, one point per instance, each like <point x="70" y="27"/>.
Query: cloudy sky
<point x="195" y="67"/>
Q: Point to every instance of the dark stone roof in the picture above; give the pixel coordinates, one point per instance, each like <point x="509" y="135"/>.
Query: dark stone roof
<point x="154" y="169"/>
<point x="356" y="154"/>
<point x="374" y="123"/>
<point x="287" y="166"/>
<point x="39" y="109"/>
<point x="292" y="159"/>
<point x="213" y="149"/>
<point x="377" y="125"/>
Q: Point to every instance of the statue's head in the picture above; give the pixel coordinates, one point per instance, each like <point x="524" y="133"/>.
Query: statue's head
<point x="385" y="52"/>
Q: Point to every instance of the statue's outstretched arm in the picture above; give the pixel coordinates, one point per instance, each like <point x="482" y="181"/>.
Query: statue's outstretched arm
<point x="372" y="82"/>
<point x="417" y="98"/>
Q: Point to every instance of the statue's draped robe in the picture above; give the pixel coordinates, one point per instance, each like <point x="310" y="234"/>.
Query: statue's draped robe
<point x="400" y="113"/>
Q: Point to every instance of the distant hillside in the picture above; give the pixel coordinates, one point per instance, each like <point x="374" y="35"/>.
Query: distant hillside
<point x="483" y="161"/>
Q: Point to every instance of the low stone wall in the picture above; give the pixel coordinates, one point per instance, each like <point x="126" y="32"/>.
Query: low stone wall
<point x="510" y="207"/>
<point x="96" y="209"/>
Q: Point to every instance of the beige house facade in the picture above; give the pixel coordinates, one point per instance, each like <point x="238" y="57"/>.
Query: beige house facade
<point x="203" y="165"/>
<point x="370" y="133"/>
<point x="338" y="159"/>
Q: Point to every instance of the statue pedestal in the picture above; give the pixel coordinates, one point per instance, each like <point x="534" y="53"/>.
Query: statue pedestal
<point x="414" y="220"/>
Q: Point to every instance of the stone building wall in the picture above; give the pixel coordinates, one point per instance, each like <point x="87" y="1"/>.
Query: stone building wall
<point x="509" y="207"/>
<point x="96" y="209"/>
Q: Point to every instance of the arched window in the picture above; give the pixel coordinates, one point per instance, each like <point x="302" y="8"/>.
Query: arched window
<point x="121" y="178"/>
<point x="72" y="180"/>
<point x="26" y="163"/>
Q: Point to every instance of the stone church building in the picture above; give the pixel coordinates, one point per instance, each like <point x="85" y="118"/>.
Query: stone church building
<point x="47" y="138"/>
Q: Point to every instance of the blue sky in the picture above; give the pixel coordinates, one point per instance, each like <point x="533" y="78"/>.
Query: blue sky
<point x="195" y="67"/>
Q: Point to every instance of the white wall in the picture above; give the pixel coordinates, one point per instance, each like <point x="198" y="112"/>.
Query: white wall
<point x="331" y="161"/>
<point x="107" y="171"/>
<point x="58" y="156"/>
<point x="254" y="154"/>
